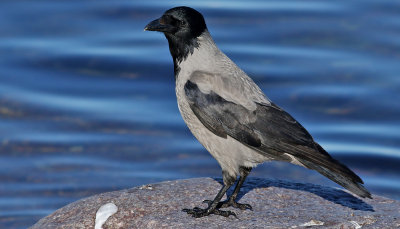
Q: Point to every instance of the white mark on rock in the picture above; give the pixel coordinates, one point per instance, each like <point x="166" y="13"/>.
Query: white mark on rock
<point x="104" y="213"/>
<point x="355" y="224"/>
<point x="147" y="186"/>
<point x="313" y="222"/>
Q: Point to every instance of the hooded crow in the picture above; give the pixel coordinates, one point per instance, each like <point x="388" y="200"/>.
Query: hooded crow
<point x="232" y="118"/>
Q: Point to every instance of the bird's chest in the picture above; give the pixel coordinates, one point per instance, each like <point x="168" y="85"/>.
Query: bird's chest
<point x="187" y="114"/>
<point x="208" y="139"/>
<point x="196" y="62"/>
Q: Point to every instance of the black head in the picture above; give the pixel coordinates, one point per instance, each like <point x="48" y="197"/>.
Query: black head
<point x="181" y="26"/>
<point x="181" y="22"/>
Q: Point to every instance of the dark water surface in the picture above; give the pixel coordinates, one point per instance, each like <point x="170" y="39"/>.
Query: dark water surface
<point x="87" y="101"/>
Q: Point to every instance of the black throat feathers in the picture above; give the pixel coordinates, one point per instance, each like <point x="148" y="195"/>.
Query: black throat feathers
<point x="180" y="49"/>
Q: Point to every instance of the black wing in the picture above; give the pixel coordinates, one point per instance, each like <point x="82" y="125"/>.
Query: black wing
<point x="266" y="128"/>
<point x="270" y="131"/>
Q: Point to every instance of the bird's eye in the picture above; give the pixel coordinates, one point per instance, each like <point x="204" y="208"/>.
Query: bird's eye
<point x="182" y="23"/>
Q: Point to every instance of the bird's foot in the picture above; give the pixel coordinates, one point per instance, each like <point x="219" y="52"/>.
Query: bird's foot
<point x="230" y="203"/>
<point x="199" y="212"/>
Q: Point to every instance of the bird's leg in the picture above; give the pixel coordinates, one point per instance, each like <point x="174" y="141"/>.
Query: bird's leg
<point x="244" y="172"/>
<point x="212" y="206"/>
<point x="231" y="202"/>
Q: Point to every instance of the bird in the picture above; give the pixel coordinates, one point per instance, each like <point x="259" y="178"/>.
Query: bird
<point x="232" y="118"/>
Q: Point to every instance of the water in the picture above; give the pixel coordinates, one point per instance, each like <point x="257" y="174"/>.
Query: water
<point x="87" y="101"/>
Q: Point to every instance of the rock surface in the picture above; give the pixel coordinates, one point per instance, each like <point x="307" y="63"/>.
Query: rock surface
<point x="276" y="204"/>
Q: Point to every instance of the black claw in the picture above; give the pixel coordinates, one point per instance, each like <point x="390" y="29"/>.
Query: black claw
<point x="241" y="206"/>
<point x="196" y="212"/>
<point x="248" y="206"/>
<point x="225" y="213"/>
<point x="227" y="203"/>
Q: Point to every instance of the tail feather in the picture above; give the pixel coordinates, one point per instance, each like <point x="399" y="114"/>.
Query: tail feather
<point x="337" y="172"/>
<point x="346" y="178"/>
<point x="313" y="156"/>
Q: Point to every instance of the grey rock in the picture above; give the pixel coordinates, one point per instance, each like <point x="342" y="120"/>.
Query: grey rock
<point x="276" y="204"/>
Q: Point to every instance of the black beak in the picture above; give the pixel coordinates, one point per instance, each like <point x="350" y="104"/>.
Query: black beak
<point x="156" y="25"/>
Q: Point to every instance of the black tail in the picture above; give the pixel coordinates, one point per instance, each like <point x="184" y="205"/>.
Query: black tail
<point x="338" y="173"/>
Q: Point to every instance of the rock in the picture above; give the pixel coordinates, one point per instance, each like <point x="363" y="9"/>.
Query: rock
<point x="276" y="204"/>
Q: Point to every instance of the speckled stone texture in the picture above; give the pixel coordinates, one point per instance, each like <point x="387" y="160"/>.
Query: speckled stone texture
<point x="276" y="204"/>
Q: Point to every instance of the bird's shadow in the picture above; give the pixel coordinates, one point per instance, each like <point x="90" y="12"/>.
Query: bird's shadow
<point x="334" y="195"/>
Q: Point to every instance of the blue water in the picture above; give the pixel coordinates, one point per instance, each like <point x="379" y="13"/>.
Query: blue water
<point x="87" y="101"/>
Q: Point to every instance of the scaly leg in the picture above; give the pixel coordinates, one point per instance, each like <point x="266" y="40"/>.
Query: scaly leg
<point x="231" y="202"/>
<point x="212" y="207"/>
